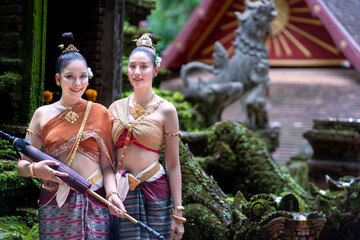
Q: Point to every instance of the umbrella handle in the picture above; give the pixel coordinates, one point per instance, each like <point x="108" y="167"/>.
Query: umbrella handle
<point x="140" y="224"/>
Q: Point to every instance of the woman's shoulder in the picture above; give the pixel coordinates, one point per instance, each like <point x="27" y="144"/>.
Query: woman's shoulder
<point x="45" y="109"/>
<point x="118" y="103"/>
<point x="98" y="106"/>
<point x="167" y="106"/>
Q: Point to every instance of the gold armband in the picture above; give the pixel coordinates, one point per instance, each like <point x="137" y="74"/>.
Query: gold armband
<point x="31" y="132"/>
<point x="111" y="193"/>
<point x="177" y="218"/>
<point x="177" y="134"/>
<point x="32" y="170"/>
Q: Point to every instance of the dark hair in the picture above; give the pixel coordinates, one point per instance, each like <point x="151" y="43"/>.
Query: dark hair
<point x="148" y="51"/>
<point x="65" y="58"/>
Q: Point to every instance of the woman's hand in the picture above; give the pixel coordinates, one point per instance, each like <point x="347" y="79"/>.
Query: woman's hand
<point x="115" y="205"/>
<point x="43" y="170"/>
<point x="178" y="228"/>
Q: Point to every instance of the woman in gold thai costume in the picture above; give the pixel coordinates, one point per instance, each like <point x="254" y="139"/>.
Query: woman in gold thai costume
<point x="142" y="123"/>
<point x="78" y="133"/>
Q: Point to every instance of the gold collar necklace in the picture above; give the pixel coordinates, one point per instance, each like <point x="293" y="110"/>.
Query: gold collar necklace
<point x="137" y="110"/>
<point x="71" y="116"/>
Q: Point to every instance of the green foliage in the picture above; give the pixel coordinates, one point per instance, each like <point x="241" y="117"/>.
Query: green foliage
<point x="168" y="18"/>
<point x="189" y="118"/>
<point x="19" y="227"/>
<point x="6" y="149"/>
<point x="10" y="79"/>
<point x="143" y="3"/>
<point x="130" y="33"/>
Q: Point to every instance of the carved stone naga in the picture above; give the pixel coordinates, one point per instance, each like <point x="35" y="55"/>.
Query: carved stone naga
<point x="244" y="76"/>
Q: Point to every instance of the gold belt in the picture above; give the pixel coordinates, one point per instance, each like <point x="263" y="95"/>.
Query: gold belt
<point x="95" y="178"/>
<point x="133" y="181"/>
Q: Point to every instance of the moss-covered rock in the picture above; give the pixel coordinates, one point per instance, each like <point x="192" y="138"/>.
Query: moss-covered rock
<point x="239" y="161"/>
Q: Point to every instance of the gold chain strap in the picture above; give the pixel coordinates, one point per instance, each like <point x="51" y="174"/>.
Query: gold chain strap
<point x="128" y="135"/>
<point x="78" y="137"/>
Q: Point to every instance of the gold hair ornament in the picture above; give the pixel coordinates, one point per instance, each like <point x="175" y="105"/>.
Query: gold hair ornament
<point x="144" y="41"/>
<point x="70" y="48"/>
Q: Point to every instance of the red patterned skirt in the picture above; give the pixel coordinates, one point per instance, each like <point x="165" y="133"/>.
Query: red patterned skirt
<point x="81" y="217"/>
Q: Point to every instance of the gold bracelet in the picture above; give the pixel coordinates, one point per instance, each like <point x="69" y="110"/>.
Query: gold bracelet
<point x="32" y="170"/>
<point x="180" y="208"/>
<point x="177" y="218"/>
<point x="111" y="193"/>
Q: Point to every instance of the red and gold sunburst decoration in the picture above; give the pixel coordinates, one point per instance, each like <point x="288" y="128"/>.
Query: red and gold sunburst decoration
<point x="298" y="39"/>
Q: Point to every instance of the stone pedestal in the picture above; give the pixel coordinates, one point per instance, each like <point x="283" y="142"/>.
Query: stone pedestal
<point x="336" y="145"/>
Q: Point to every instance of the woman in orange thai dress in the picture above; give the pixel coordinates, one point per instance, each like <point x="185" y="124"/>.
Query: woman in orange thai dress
<point x="65" y="213"/>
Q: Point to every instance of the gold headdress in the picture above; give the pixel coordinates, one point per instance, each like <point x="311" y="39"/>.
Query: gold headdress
<point x="144" y="41"/>
<point x="70" y="48"/>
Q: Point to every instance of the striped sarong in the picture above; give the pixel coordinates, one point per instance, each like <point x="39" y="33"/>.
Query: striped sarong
<point x="149" y="203"/>
<point x="81" y="217"/>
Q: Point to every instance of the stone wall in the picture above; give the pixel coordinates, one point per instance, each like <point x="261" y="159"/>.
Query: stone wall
<point x="22" y="38"/>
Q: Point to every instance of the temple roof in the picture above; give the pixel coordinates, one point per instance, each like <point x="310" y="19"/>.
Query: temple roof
<point x="302" y="36"/>
<point x="342" y="20"/>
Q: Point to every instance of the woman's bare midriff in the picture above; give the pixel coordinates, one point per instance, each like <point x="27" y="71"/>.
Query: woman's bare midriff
<point x="81" y="164"/>
<point x="137" y="159"/>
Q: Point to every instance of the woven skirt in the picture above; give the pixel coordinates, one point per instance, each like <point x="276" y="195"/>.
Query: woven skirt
<point x="81" y="217"/>
<point x="149" y="203"/>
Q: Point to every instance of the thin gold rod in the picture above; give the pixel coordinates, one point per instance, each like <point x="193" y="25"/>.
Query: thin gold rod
<point x="229" y="25"/>
<point x="277" y="47"/>
<point x="300" y="10"/>
<point x="298" y="44"/>
<point x="239" y="6"/>
<point x="316" y="40"/>
<point x="285" y="45"/>
<point x="306" y="20"/>
<point x="223" y="40"/>
<point x="209" y="29"/>
<point x="133" y="220"/>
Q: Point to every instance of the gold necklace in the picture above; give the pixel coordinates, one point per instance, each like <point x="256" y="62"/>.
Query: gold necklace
<point x="137" y="110"/>
<point x="71" y="116"/>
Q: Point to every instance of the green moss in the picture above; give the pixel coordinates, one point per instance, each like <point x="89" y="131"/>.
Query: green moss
<point x="10" y="79"/>
<point x="22" y="226"/>
<point x="239" y="161"/>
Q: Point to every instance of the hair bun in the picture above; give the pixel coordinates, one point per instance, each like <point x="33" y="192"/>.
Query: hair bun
<point x="67" y="38"/>
<point x="68" y="43"/>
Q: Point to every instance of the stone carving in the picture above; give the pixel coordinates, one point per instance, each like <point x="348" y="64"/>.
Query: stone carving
<point x="258" y="210"/>
<point x="244" y="76"/>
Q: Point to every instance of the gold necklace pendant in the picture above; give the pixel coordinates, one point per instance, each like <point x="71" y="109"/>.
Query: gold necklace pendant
<point x="71" y="116"/>
<point x="137" y="110"/>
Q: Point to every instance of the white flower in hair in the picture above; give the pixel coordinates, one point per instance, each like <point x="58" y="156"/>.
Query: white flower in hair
<point x="158" y="60"/>
<point x="90" y="73"/>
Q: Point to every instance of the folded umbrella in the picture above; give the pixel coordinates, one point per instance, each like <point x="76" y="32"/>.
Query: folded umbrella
<point x="73" y="180"/>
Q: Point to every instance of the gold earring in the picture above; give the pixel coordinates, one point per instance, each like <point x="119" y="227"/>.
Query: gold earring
<point x="155" y="75"/>
<point x="58" y="83"/>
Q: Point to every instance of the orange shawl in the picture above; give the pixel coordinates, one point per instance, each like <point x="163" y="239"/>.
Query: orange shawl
<point x="58" y="135"/>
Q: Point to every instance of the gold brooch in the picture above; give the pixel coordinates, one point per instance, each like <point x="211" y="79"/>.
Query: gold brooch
<point x="137" y="110"/>
<point x="71" y="116"/>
